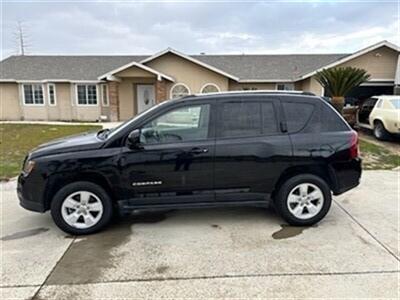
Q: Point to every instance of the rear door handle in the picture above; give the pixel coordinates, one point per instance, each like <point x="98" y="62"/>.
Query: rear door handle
<point x="198" y="150"/>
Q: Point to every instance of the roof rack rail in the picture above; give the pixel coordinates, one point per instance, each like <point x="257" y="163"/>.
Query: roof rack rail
<point x="253" y="92"/>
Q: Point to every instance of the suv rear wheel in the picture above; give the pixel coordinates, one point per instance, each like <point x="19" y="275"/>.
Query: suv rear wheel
<point x="380" y="131"/>
<point x="303" y="200"/>
<point x="81" y="208"/>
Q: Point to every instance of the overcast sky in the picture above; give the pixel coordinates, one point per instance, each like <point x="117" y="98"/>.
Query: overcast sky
<point x="123" y="27"/>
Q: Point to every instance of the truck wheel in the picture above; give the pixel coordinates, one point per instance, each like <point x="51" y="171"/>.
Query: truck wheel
<point x="380" y="132"/>
<point x="81" y="208"/>
<point x="303" y="200"/>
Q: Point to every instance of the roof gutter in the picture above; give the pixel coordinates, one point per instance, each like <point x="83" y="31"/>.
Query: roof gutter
<point x="49" y="81"/>
<point x="264" y="80"/>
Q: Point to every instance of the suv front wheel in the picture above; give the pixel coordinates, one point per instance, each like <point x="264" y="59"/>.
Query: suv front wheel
<point x="303" y="200"/>
<point x="81" y="208"/>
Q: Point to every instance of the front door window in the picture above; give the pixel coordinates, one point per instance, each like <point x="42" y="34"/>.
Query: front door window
<point x="179" y="125"/>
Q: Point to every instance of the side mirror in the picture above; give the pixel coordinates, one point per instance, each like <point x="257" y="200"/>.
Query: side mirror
<point x="133" y="141"/>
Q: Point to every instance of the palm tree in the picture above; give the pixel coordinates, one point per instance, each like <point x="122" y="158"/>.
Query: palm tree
<point x="338" y="82"/>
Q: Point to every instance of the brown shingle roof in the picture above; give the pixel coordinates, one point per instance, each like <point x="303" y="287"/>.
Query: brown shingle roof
<point x="245" y="67"/>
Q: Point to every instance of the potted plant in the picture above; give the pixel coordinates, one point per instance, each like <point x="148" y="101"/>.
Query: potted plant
<point x="338" y="82"/>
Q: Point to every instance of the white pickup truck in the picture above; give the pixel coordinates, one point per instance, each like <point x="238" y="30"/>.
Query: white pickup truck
<point x="381" y="114"/>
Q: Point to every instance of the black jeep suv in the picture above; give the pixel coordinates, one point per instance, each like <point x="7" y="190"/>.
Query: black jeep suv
<point x="223" y="149"/>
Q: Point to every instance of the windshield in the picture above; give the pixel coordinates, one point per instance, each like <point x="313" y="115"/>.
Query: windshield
<point x="111" y="132"/>
<point x="396" y="103"/>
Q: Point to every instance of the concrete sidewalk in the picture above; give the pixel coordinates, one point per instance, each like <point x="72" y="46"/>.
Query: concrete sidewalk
<point x="213" y="253"/>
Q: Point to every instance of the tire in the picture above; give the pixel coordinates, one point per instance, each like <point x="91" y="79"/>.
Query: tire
<point x="309" y="211"/>
<point x="81" y="208"/>
<point x="380" y="131"/>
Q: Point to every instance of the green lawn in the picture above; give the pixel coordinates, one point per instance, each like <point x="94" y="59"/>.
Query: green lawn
<point x="377" y="157"/>
<point x="17" y="139"/>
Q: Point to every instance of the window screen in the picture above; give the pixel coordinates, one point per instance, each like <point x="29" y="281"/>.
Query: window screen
<point x="87" y="94"/>
<point x="52" y="93"/>
<point x="33" y="94"/>
<point x="297" y="115"/>
<point x="240" y="119"/>
<point x="28" y="94"/>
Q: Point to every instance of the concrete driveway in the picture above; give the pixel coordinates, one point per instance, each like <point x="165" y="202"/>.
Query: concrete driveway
<point x="246" y="252"/>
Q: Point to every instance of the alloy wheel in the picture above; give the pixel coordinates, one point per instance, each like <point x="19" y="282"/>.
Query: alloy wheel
<point x="82" y="210"/>
<point x="305" y="201"/>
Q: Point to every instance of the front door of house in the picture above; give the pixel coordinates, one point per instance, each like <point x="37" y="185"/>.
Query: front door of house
<point x="145" y="97"/>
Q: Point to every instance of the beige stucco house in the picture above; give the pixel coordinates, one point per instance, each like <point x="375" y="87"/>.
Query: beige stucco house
<point x="113" y="88"/>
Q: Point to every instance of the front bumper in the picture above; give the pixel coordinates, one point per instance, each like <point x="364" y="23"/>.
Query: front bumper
<point x="30" y="197"/>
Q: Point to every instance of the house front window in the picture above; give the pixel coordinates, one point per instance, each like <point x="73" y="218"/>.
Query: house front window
<point x="104" y="95"/>
<point x="210" y="88"/>
<point x="51" y="90"/>
<point x="86" y="94"/>
<point x="179" y="90"/>
<point x="33" y="94"/>
<point x="285" y="86"/>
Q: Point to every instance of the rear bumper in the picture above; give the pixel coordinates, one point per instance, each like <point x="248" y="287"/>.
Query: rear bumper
<point x="345" y="175"/>
<point x="29" y="197"/>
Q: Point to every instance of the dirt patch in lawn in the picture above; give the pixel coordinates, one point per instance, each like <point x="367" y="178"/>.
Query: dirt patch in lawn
<point x="377" y="157"/>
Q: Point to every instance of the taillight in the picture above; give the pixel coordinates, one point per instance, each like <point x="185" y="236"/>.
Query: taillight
<point x="353" y="145"/>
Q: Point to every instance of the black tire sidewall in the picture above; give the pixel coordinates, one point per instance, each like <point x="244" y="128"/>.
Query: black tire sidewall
<point x="383" y="132"/>
<point x="282" y="195"/>
<point x="60" y="196"/>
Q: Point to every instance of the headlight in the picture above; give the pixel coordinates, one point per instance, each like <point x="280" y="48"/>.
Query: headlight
<point x="28" y="166"/>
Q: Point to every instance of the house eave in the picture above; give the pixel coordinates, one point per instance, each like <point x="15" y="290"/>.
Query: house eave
<point x="110" y="75"/>
<point x="191" y="59"/>
<point x="350" y="57"/>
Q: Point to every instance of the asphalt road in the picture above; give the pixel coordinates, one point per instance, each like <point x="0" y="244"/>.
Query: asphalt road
<point x="214" y="253"/>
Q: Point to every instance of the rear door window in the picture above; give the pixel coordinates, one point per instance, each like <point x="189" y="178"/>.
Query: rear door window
<point x="396" y="103"/>
<point x="240" y="119"/>
<point x="297" y="115"/>
<point x="270" y="125"/>
<point x="369" y="104"/>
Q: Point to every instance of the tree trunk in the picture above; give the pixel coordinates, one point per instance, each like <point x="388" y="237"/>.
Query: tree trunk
<point x="338" y="103"/>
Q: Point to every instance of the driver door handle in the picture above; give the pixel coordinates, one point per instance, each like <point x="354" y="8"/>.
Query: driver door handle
<point x="197" y="150"/>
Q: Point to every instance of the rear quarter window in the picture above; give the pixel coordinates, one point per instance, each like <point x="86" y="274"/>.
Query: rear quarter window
<point x="330" y="120"/>
<point x="297" y="115"/>
<point x="396" y="103"/>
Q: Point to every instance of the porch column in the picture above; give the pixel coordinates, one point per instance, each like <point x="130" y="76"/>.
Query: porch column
<point x="396" y="89"/>
<point x="161" y="91"/>
<point x="113" y="88"/>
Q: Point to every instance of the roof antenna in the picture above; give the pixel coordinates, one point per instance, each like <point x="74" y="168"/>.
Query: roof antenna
<point x="21" y="37"/>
